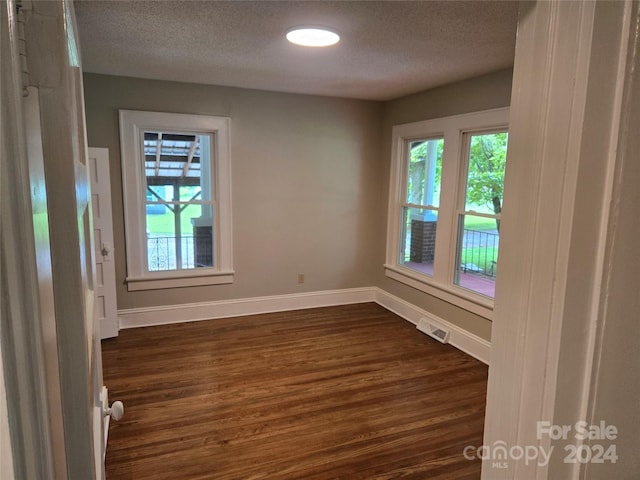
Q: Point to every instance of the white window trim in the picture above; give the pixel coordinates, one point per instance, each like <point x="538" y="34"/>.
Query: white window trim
<point x="132" y="123"/>
<point x="453" y="129"/>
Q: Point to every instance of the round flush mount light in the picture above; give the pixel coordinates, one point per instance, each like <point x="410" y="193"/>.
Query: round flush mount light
<point x="313" y="36"/>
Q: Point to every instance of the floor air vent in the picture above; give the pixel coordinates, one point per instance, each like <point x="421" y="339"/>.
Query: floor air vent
<point x="433" y="331"/>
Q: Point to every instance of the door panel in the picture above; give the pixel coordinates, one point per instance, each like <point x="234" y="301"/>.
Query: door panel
<point x="105" y="273"/>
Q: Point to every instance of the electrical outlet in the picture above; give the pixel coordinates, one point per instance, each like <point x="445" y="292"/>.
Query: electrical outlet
<point x="301" y="278"/>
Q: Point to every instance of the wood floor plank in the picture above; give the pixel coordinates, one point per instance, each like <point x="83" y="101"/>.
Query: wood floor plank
<point x="349" y="392"/>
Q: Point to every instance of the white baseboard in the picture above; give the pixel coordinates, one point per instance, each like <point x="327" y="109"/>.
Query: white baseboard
<point x="461" y="339"/>
<point x="143" y="317"/>
<point x="149" y="316"/>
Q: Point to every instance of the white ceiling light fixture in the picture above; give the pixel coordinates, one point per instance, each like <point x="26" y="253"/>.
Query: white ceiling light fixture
<point x="313" y="36"/>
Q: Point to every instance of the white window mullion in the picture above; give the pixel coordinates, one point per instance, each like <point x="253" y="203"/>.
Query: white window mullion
<point x="446" y="234"/>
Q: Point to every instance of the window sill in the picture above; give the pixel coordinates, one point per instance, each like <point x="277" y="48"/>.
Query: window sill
<point x="457" y="296"/>
<point x="177" y="281"/>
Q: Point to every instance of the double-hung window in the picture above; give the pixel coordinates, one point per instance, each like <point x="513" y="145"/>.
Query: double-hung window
<point x="445" y="201"/>
<point x="177" y="199"/>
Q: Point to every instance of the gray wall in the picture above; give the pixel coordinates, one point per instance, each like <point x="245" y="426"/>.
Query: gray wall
<point x="310" y="182"/>
<point x="305" y="172"/>
<point x="481" y="93"/>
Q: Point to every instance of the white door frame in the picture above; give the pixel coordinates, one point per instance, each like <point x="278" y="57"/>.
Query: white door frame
<point x="565" y="116"/>
<point x="53" y="63"/>
<point x="52" y="379"/>
<point x="23" y="341"/>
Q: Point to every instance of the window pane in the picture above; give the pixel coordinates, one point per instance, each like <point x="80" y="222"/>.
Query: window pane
<point x="477" y="255"/>
<point x="200" y="227"/>
<point x="173" y="158"/>
<point x="161" y="245"/>
<point x="178" y="238"/>
<point x="418" y="240"/>
<point x="424" y="170"/>
<point x="159" y="193"/>
<point x="190" y="193"/>
<point x="485" y="178"/>
<point x="178" y="171"/>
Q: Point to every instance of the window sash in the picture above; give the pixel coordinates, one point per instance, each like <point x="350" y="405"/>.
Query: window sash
<point x="476" y="250"/>
<point x="431" y="163"/>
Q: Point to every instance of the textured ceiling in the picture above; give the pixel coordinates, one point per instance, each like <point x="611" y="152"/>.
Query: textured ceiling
<point x="388" y="48"/>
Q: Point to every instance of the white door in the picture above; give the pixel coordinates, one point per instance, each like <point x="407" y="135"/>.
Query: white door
<point x="53" y="66"/>
<point x="103" y="236"/>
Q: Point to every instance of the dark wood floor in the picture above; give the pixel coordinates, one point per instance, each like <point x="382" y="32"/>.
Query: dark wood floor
<point x="350" y="392"/>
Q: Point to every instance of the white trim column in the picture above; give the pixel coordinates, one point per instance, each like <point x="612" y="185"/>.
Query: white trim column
<point x="29" y="426"/>
<point x="567" y="90"/>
